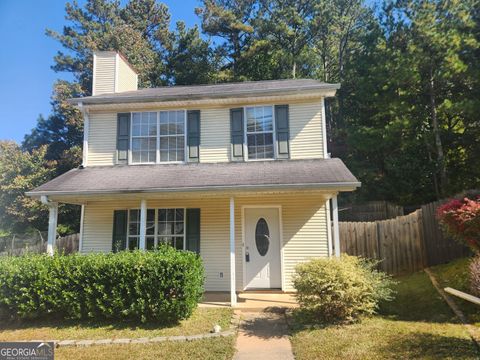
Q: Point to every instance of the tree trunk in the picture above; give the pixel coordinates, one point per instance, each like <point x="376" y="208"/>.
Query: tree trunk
<point x="436" y="134"/>
<point x="236" y="54"/>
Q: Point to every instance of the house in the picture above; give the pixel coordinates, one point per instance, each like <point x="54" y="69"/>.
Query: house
<point x="237" y="172"/>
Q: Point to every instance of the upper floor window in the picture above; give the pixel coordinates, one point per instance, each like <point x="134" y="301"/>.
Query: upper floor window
<point x="158" y="137"/>
<point x="144" y="137"/>
<point x="172" y="135"/>
<point x="260" y="132"/>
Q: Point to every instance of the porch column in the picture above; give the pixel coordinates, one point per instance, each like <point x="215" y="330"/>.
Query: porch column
<point x="52" y="227"/>
<point x="329" y="228"/>
<point x="143" y="224"/>
<point x="233" y="295"/>
<point x="336" y="234"/>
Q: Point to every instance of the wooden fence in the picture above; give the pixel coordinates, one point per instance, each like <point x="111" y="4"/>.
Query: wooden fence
<point x="370" y="211"/>
<point x="440" y="248"/>
<point x="404" y="244"/>
<point x="17" y="245"/>
<point x="396" y="242"/>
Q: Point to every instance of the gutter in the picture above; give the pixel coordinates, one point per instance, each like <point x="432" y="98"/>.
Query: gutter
<point x="344" y="186"/>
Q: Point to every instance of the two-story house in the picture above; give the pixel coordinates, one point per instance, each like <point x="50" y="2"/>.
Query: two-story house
<point x="238" y="172"/>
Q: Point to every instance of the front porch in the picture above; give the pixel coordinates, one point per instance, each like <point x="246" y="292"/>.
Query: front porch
<point x="297" y="222"/>
<point x="251" y="222"/>
<point x="250" y="300"/>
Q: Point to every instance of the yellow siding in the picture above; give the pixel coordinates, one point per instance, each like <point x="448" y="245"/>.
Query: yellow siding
<point x="305" y="134"/>
<point x="215" y="135"/>
<point x="104" y="73"/>
<point x="304" y="231"/>
<point x="102" y="139"/>
<point x="127" y="79"/>
<point x="306" y="139"/>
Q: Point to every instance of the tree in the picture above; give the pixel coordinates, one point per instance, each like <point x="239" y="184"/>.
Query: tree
<point x="231" y="21"/>
<point x="289" y="27"/>
<point x="22" y="171"/>
<point x="189" y="59"/>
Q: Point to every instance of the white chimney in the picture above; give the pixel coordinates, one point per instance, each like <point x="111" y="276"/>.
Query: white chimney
<point x="112" y="73"/>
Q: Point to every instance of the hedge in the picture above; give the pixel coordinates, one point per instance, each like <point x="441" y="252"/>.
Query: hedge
<point x="163" y="285"/>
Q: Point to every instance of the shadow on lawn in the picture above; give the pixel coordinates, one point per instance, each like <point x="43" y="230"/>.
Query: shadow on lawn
<point x="428" y="346"/>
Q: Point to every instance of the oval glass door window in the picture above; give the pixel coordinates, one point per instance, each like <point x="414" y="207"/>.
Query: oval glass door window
<point x="262" y="237"/>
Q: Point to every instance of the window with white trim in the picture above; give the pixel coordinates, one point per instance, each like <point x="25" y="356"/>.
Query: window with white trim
<point x="260" y="132"/>
<point x="144" y="137"/>
<point x="158" y="137"/>
<point x="165" y="226"/>
<point x="172" y="136"/>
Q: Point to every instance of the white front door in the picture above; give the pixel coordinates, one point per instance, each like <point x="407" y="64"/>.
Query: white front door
<point x="262" y="248"/>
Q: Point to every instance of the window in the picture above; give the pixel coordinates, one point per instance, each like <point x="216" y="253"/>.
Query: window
<point x="260" y="132"/>
<point x="171" y="229"/>
<point x="144" y="137"/>
<point x="133" y="240"/>
<point x="158" y="137"/>
<point x="163" y="226"/>
<point x="172" y="136"/>
<point x="262" y="237"/>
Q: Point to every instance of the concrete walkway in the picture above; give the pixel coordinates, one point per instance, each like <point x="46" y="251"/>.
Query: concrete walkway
<point x="263" y="335"/>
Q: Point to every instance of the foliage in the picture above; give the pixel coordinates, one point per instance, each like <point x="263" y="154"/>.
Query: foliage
<point x="19" y="172"/>
<point x="405" y="119"/>
<point x="232" y="21"/>
<point x="338" y="290"/>
<point x="461" y="219"/>
<point x="164" y="285"/>
<point x="417" y="324"/>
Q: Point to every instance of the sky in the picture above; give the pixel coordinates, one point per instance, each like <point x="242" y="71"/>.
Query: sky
<point x="26" y="57"/>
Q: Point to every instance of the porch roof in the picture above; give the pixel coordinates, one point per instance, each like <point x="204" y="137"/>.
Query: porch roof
<point x="255" y="175"/>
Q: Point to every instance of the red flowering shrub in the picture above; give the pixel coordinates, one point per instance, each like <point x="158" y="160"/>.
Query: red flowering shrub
<point x="461" y="218"/>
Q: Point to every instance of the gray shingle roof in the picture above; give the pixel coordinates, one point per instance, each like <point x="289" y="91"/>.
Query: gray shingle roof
<point x="318" y="173"/>
<point x="196" y="92"/>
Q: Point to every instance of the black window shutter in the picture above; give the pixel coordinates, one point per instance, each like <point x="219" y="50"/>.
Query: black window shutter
<point x="123" y="137"/>
<point x="119" y="239"/>
<point x="193" y="135"/>
<point x="193" y="230"/>
<point x="283" y="131"/>
<point x="236" y="129"/>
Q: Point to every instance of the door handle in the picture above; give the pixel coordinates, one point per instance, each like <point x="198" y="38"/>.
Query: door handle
<point x="247" y="256"/>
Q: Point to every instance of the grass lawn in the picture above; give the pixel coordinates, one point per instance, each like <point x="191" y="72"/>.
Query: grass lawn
<point x="416" y="325"/>
<point x="215" y="348"/>
<point x="202" y="321"/>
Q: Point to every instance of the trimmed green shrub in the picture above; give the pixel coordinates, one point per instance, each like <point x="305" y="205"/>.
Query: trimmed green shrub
<point x="163" y="285"/>
<point x="341" y="289"/>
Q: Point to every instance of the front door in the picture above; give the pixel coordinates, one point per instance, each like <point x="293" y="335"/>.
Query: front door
<point x="262" y="248"/>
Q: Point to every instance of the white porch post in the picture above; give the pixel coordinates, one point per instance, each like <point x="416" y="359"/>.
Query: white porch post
<point x="52" y="227"/>
<point x="329" y="228"/>
<point x="143" y="224"/>
<point x="336" y="234"/>
<point x="233" y="295"/>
